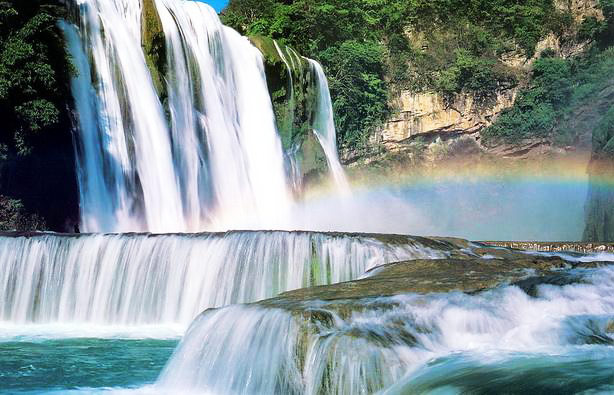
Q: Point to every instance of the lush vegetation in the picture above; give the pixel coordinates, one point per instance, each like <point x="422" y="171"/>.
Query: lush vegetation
<point x="37" y="185"/>
<point x="559" y="86"/>
<point x="34" y="74"/>
<point x="373" y="48"/>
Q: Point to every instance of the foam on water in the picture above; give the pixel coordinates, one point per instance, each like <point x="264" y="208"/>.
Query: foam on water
<point x="11" y="332"/>
<point x="571" y="257"/>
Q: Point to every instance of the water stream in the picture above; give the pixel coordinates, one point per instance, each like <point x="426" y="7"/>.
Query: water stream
<point x="454" y="343"/>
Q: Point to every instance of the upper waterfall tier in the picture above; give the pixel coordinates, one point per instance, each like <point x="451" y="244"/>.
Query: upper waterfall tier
<point x="177" y="131"/>
<point x="169" y="279"/>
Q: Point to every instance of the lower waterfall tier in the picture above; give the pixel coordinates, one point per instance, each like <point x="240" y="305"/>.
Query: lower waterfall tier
<point x="137" y="279"/>
<point x="528" y="316"/>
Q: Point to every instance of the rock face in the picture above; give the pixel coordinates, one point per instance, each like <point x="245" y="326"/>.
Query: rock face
<point x="580" y="9"/>
<point x="292" y="89"/>
<point x="427" y="276"/>
<point x="470" y="268"/>
<point x="428" y="113"/>
<point x="600" y="204"/>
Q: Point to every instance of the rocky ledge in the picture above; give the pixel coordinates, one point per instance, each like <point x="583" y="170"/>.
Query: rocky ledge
<point x="471" y="268"/>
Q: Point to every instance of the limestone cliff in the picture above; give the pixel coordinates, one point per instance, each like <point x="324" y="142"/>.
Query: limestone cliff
<point x="600" y="204"/>
<point x="427" y="113"/>
<point x="430" y="116"/>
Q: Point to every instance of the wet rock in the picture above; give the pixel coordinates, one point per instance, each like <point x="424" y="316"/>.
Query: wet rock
<point x="530" y="285"/>
<point x="428" y="276"/>
<point x="154" y="45"/>
<point x="292" y="88"/>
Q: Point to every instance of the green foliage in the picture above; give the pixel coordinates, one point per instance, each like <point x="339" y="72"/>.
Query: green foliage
<point x="355" y="71"/>
<point x="599" y="31"/>
<point x="558" y="86"/>
<point x="372" y="48"/>
<point x="34" y="71"/>
<point x="474" y="74"/>
<point x="537" y="108"/>
<point x="13" y="217"/>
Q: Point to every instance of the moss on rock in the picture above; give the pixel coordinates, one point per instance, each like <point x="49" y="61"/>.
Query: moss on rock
<point x="293" y="91"/>
<point x="154" y="45"/>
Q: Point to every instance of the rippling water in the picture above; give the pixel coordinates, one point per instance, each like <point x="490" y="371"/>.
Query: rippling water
<point x="34" y="365"/>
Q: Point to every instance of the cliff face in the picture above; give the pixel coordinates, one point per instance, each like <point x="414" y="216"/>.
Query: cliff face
<point x="600" y="203"/>
<point x="154" y="45"/>
<point x="430" y="115"/>
<point x="581" y="9"/>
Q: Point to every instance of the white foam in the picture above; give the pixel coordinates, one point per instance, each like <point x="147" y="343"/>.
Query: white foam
<point x="11" y="332"/>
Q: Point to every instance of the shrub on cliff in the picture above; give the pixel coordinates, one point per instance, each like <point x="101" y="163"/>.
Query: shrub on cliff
<point x="357" y="85"/>
<point x="603" y="136"/>
<point x="537" y="108"/>
<point x="601" y="31"/>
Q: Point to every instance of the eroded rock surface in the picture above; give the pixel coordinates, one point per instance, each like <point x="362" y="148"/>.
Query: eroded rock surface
<point x="471" y="268"/>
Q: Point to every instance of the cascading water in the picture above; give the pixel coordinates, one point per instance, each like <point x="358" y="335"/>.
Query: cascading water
<point x="125" y="154"/>
<point x="207" y="156"/>
<point x="169" y="279"/>
<point x="324" y="128"/>
<point x="454" y="343"/>
<point x="178" y="134"/>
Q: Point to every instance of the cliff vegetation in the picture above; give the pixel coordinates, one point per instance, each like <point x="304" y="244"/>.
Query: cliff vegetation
<point x="373" y="49"/>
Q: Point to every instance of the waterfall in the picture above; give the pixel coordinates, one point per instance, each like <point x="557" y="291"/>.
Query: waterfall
<point x="161" y="279"/>
<point x="215" y="163"/>
<point x="128" y="171"/>
<point x="403" y="344"/>
<point x="289" y="69"/>
<point x="324" y="128"/>
<point x="184" y="143"/>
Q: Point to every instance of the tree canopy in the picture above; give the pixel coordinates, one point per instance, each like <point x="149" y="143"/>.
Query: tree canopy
<point x="34" y="72"/>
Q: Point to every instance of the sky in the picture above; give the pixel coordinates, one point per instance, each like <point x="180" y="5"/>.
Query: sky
<point x="217" y="4"/>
